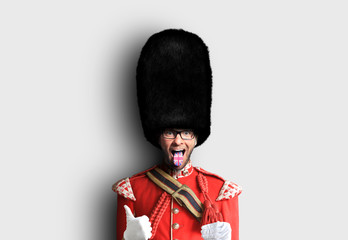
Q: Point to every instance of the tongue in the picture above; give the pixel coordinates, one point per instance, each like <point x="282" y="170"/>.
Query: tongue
<point x="178" y="159"/>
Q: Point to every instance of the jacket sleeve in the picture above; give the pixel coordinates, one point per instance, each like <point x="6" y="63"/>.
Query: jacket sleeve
<point x="121" y="215"/>
<point x="230" y="213"/>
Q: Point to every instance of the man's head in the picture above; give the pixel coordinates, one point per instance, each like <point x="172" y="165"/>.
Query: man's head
<point x="177" y="146"/>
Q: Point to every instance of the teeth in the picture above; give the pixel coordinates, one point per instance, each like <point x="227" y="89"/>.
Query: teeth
<point x="174" y="151"/>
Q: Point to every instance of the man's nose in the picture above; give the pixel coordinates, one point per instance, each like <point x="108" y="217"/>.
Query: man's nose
<point x="178" y="140"/>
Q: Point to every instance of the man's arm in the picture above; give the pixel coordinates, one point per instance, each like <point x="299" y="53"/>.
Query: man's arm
<point x="230" y="213"/>
<point x="130" y="227"/>
<point x="121" y="215"/>
<point x="227" y="229"/>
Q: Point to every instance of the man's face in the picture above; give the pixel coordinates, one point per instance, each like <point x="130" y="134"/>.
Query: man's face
<point x="177" y="151"/>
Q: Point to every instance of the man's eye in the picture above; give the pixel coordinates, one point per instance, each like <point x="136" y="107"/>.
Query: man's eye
<point x="169" y="133"/>
<point x="188" y="133"/>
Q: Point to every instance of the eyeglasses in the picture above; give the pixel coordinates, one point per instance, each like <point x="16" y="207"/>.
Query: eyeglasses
<point x="184" y="134"/>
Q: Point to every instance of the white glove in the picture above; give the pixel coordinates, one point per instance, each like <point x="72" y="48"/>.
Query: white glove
<point x="217" y="231"/>
<point x="138" y="228"/>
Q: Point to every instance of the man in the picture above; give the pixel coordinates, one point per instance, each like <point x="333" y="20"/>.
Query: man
<point x="176" y="200"/>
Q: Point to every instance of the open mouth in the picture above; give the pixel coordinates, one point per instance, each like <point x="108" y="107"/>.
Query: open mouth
<point x="178" y="157"/>
<point x="178" y="152"/>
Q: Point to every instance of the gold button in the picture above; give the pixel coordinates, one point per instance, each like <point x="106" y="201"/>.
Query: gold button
<point x="175" y="211"/>
<point x="176" y="226"/>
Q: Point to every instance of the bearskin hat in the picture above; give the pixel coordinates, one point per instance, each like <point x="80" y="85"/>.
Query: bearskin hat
<point x="174" y="84"/>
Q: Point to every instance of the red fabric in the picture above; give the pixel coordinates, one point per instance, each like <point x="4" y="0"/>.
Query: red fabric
<point x="147" y="195"/>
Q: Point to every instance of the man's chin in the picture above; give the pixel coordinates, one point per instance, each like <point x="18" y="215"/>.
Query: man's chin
<point x="176" y="168"/>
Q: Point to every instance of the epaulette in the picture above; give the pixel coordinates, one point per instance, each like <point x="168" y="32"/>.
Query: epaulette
<point x="228" y="189"/>
<point x="124" y="188"/>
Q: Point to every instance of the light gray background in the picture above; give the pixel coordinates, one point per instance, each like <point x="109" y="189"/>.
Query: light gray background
<point x="70" y="127"/>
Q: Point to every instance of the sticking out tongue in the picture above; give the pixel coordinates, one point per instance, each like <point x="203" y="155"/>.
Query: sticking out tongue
<point x="178" y="158"/>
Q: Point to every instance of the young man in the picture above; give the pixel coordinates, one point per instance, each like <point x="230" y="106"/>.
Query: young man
<point x="176" y="200"/>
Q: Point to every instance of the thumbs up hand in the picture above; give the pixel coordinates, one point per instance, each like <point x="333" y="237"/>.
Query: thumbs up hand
<point x="138" y="228"/>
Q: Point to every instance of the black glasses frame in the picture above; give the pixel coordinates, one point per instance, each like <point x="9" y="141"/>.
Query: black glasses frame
<point x="179" y="132"/>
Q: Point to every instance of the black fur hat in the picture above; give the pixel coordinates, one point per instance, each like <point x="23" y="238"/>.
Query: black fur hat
<point x="174" y="84"/>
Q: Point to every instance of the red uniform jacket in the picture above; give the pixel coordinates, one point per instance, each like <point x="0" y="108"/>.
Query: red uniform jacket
<point x="141" y="196"/>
